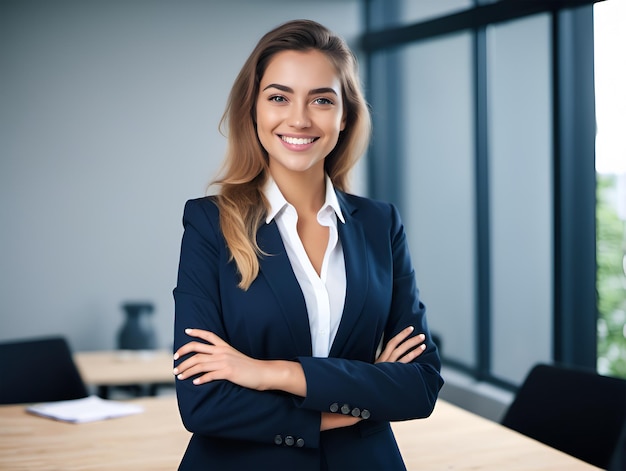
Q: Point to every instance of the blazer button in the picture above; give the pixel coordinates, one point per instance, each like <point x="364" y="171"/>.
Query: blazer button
<point x="345" y="409"/>
<point x="356" y="412"/>
<point x="300" y="442"/>
<point x="365" y="414"/>
<point x="278" y="440"/>
<point x="289" y="441"/>
<point x="334" y="407"/>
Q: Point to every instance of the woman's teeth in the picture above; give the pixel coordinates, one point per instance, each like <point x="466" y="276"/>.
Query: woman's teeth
<point x="297" y="140"/>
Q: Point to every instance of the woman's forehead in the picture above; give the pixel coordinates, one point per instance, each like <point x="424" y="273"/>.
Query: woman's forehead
<point x="301" y="71"/>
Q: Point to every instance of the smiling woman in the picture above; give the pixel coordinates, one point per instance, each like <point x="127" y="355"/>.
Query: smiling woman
<point x="299" y="331"/>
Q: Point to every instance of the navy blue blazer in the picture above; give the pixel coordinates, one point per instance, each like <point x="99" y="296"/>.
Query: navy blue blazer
<point x="238" y="428"/>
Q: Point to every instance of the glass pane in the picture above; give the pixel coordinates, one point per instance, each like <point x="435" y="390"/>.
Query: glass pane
<point x="393" y="13"/>
<point x="520" y="166"/>
<point x="610" y="82"/>
<point x="413" y="11"/>
<point x="438" y="147"/>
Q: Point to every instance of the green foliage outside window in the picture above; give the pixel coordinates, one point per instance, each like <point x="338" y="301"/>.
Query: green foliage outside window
<point x="611" y="281"/>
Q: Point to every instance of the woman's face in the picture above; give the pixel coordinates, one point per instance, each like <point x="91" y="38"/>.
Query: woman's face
<point x="299" y="111"/>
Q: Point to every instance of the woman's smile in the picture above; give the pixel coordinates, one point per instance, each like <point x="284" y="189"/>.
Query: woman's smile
<point x="297" y="143"/>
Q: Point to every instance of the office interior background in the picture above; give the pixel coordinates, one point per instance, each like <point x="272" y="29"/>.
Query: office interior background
<point x="487" y="114"/>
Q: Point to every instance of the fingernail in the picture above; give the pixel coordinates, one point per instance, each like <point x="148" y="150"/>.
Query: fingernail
<point x="411" y="328"/>
<point x="180" y="376"/>
<point x="175" y="371"/>
<point x="175" y="356"/>
<point x="196" y="381"/>
<point x="187" y="331"/>
<point x="422" y="336"/>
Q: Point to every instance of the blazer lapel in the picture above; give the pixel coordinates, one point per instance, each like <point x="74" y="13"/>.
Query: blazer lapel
<point x="276" y="269"/>
<point x="352" y="236"/>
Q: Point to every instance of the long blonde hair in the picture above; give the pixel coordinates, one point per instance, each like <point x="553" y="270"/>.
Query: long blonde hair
<point x="245" y="168"/>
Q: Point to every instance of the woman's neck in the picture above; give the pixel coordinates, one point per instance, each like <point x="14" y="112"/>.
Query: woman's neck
<point x="306" y="191"/>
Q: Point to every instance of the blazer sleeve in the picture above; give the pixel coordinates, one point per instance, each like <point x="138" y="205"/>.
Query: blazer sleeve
<point x="221" y="408"/>
<point x="387" y="391"/>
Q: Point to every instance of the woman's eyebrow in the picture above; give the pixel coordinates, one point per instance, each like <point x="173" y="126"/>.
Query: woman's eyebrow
<point x="315" y="91"/>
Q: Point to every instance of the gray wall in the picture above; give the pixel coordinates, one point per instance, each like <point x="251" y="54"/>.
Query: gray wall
<point x="108" y="124"/>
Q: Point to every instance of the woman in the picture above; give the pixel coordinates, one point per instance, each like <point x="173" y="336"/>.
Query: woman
<point x="299" y="333"/>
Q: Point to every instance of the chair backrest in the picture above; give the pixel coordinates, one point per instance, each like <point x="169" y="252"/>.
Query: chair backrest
<point x="38" y="370"/>
<point x="576" y="411"/>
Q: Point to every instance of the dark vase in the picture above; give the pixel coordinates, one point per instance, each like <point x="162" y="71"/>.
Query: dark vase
<point x="137" y="333"/>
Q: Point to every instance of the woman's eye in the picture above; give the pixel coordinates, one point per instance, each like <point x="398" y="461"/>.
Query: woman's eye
<point x="322" y="101"/>
<point x="277" y="99"/>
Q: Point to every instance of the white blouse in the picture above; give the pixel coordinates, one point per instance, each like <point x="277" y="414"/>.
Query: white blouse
<point x="325" y="294"/>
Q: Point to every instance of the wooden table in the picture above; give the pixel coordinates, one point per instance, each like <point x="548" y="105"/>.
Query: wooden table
<point x="153" y="440"/>
<point x="104" y="369"/>
<point x="451" y="439"/>
<point x="455" y="439"/>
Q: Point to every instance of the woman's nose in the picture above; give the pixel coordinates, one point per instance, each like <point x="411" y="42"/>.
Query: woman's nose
<point x="298" y="117"/>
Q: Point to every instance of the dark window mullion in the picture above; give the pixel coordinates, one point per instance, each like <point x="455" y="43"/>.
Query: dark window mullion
<point x="575" y="299"/>
<point x="384" y="83"/>
<point x="483" y="288"/>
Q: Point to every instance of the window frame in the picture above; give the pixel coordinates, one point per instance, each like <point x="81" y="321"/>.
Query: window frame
<point x="573" y="105"/>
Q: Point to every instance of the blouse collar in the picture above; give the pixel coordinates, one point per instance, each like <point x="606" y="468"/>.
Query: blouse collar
<point x="278" y="202"/>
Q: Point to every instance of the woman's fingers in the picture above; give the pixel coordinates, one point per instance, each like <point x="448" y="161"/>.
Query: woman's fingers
<point x="212" y="359"/>
<point x="405" y="347"/>
<point x="409" y="350"/>
<point x="198" y="347"/>
<point x="398" y="339"/>
<point x="200" y="353"/>
<point x="205" y="367"/>
<point x="199" y="363"/>
<point x="205" y="335"/>
<point x="402" y="347"/>
<point x="393" y="343"/>
<point x="195" y="361"/>
<point x="192" y="347"/>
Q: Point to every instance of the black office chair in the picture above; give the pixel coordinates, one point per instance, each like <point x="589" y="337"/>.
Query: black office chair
<point x="38" y="370"/>
<point x="576" y="411"/>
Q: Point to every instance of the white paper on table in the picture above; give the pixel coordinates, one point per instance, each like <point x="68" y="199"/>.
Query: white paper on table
<point x="87" y="409"/>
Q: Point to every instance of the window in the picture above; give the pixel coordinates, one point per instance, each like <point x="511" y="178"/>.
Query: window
<point x="610" y="80"/>
<point x="519" y="96"/>
<point x="483" y="136"/>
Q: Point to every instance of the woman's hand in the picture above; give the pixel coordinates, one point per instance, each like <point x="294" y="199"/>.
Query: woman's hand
<point x="398" y="349"/>
<point x="218" y="360"/>
<point x="402" y="350"/>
